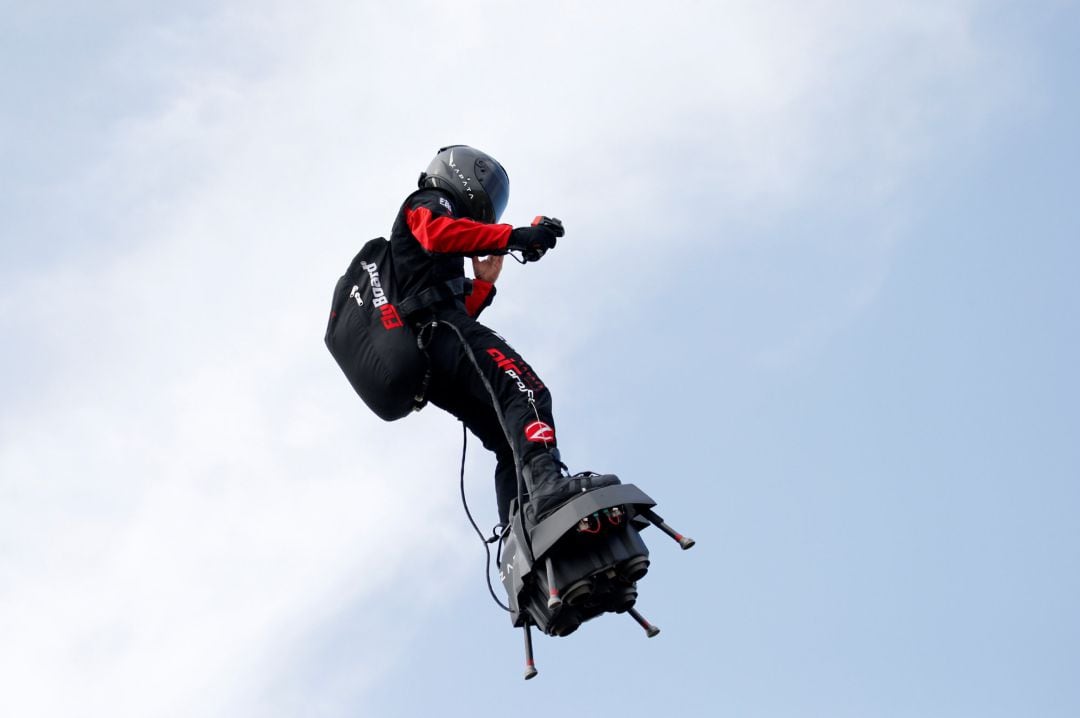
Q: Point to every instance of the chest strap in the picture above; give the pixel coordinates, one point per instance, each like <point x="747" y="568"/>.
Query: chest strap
<point x="449" y="289"/>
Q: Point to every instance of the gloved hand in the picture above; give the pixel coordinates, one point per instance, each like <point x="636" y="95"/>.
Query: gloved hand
<point x="534" y="241"/>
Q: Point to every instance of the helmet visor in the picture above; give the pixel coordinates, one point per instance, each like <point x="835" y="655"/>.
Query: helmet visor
<point x="499" y="193"/>
<point x="496" y="184"/>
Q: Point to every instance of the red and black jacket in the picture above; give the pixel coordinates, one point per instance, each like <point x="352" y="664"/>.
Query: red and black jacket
<point x="430" y="241"/>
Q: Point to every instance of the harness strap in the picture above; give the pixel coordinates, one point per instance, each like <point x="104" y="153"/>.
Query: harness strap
<point x="424" y="331"/>
<point x="449" y="289"/>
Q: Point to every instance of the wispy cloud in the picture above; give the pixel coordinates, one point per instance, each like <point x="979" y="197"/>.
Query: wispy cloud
<point x="188" y="485"/>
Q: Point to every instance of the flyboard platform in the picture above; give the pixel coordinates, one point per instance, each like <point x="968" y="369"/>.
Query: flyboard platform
<point x="582" y="560"/>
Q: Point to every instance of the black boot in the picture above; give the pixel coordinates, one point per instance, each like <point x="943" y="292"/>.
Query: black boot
<point x="548" y="487"/>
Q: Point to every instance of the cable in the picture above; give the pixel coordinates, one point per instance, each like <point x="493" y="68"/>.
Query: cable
<point x="498" y="410"/>
<point x="486" y="542"/>
<point x="500" y="535"/>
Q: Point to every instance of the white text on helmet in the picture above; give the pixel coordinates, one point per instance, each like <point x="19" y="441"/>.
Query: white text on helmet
<point x="461" y="176"/>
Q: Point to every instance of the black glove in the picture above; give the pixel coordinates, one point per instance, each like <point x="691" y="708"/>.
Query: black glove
<point x="534" y="241"/>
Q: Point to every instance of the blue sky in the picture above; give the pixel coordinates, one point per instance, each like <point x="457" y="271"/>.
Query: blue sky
<point x="816" y="297"/>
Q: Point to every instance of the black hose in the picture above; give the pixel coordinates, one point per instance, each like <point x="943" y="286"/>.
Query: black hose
<point x="487" y="542"/>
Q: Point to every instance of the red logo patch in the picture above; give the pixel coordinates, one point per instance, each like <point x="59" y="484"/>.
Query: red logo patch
<point x="390" y="317"/>
<point x="503" y="362"/>
<point x="540" y="433"/>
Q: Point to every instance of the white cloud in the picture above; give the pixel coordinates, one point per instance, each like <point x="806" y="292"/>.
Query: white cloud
<point x="193" y="485"/>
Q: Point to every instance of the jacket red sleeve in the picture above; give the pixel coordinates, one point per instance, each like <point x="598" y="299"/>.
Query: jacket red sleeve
<point x="478" y="296"/>
<point x="434" y="223"/>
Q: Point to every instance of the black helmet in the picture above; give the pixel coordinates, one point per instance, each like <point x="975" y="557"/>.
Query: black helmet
<point x="475" y="179"/>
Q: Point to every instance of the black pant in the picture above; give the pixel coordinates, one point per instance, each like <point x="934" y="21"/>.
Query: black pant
<point x="457" y="387"/>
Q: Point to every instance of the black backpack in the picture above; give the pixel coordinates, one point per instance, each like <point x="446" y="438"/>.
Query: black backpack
<point x="370" y="338"/>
